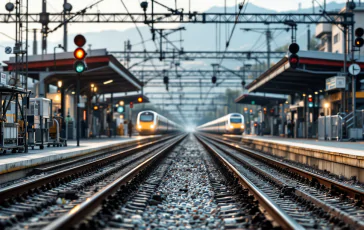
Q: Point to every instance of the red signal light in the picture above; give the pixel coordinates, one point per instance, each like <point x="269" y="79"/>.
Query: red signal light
<point x="80" y="40"/>
<point x="79" y="53"/>
<point x="310" y="99"/>
<point x="131" y="105"/>
<point x="294" y="61"/>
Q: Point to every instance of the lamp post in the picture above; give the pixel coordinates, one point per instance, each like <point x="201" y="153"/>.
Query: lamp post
<point x="54" y="54"/>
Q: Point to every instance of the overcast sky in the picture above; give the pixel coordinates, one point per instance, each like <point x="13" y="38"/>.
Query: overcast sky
<point x="133" y="6"/>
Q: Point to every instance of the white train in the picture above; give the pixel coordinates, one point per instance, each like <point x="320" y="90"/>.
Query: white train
<point x="150" y="122"/>
<point x="232" y="123"/>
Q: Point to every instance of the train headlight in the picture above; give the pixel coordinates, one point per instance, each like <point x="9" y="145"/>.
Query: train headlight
<point x="152" y="126"/>
<point x="139" y="126"/>
<point x="242" y="126"/>
<point x="231" y="127"/>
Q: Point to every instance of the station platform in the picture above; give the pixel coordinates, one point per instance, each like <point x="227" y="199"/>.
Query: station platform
<point x="16" y="161"/>
<point x="340" y="158"/>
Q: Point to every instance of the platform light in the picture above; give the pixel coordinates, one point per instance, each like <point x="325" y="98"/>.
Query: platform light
<point x="326" y="105"/>
<point x="116" y="105"/>
<point x="96" y="108"/>
<point x="95" y="89"/>
<point x="121" y="103"/>
<point x="108" y="82"/>
<point x="73" y="92"/>
<point x="304" y="95"/>
<point x="59" y="84"/>
<point x="316" y="92"/>
<point x="140" y="99"/>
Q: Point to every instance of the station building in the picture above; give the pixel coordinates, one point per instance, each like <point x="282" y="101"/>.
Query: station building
<point x="317" y="88"/>
<point x="52" y="76"/>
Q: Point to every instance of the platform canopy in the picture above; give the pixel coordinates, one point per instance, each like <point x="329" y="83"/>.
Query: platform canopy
<point x="104" y="71"/>
<point x="261" y="100"/>
<point x="315" y="67"/>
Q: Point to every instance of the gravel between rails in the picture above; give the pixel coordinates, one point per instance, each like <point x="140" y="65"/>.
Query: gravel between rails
<point x="186" y="190"/>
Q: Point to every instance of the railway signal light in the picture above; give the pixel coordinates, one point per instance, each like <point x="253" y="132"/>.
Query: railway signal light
<point x="80" y="54"/>
<point x="243" y="83"/>
<point x="213" y="79"/>
<point x="166" y="81"/>
<point x="294" y="59"/>
<point x="120" y="109"/>
<point x="359" y="41"/>
<point x="131" y="105"/>
<point x="310" y="101"/>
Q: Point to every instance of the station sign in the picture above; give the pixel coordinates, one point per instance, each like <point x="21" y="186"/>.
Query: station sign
<point x="337" y="82"/>
<point x="3" y="78"/>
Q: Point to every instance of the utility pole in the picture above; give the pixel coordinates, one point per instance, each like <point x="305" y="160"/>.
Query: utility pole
<point x="308" y="37"/>
<point x="35" y="43"/>
<point x="269" y="37"/>
<point x="65" y="32"/>
<point x="268" y="34"/>
<point x="44" y="21"/>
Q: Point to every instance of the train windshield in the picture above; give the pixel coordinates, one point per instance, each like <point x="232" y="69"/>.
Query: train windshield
<point x="146" y="117"/>
<point x="236" y="120"/>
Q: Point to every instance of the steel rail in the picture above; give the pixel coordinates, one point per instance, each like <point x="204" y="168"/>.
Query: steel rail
<point x="349" y="219"/>
<point x="18" y="189"/>
<point x="279" y="216"/>
<point x="355" y="193"/>
<point x="142" y="144"/>
<point x="79" y="212"/>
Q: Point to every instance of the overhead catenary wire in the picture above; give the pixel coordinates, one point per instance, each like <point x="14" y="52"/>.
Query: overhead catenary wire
<point x="139" y="32"/>
<point x="80" y="12"/>
<point x="241" y="7"/>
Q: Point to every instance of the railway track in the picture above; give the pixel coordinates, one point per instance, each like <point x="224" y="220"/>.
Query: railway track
<point x="179" y="183"/>
<point x="37" y="202"/>
<point x="19" y="176"/>
<point x="185" y="189"/>
<point x="331" y="202"/>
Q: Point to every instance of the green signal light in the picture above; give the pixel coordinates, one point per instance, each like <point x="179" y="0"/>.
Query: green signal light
<point x="120" y="109"/>
<point x="79" y="66"/>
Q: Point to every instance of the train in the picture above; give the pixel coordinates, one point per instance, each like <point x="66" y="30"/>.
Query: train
<point x="232" y="123"/>
<point x="150" y="122"/>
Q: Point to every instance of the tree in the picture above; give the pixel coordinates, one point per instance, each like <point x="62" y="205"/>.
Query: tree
<point x="314" y="43"/>
<point x="283" y="48"/>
